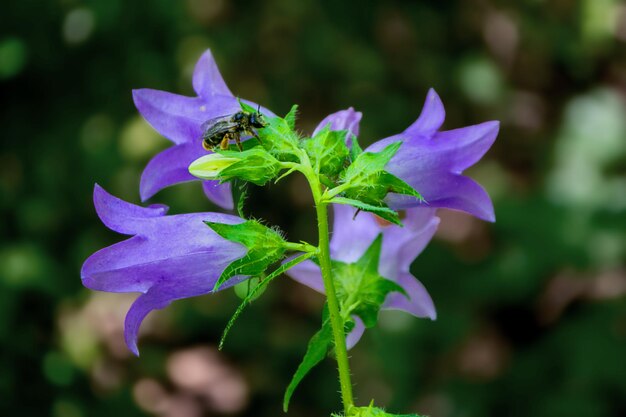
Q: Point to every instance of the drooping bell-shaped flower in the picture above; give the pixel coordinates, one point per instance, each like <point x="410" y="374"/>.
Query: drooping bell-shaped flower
<point x="180" y="118"/>
<point x="432" y="162"/>
<point x="166" y="259"/>
<point x="351" y="238"/>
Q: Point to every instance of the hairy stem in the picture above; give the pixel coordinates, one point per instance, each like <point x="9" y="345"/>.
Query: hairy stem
<point x="336" y="321"/>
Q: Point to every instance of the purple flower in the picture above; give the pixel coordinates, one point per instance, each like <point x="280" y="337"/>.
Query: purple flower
<point x="400" y="246"/>
<point x="179" y="118"/>
<point x="166" y="259"/>
<point x="431" y="161"/>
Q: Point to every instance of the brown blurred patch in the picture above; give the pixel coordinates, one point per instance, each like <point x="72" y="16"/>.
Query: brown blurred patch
<point x="468" y="235"/>
<point x="483" y="356"/>
<point x="568" y="287"/>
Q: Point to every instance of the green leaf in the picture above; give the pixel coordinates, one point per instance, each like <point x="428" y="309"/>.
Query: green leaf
<point x="327" y="151"/>
<point x="253" y="293"/>
<point x="290" y="118"/>
<point x="394" y="184"/>
<point x="370" y="163"/>
<point x="367" y="181"/>
<point x="317" y="350"/>
<point x="265" y="246"/>
<point x="382" y="211"/>
<point x="280" y="138"/>
<point x="360" y="288"/>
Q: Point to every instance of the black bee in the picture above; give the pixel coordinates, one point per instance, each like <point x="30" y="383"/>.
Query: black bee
<point x="221" y="130"/>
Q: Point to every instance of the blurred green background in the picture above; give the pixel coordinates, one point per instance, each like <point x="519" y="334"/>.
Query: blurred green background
<point x="532" y="311"/>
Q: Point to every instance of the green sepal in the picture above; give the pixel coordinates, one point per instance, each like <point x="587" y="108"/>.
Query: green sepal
<point x="256" y="291"/>
<point x="368" y="163"/>
<point x="280" y="138"/>
<point x="316" y="351"/>
<point x="383" y="211"/>
<point x="368" y="181"/>
<point x="360" y="288"/>
<point x="327" y="151"/>
<point x="265" y="246"/>
<point x="355" y="149"/>
<point x="255" y="165"/>
<point x="290" y="118"/>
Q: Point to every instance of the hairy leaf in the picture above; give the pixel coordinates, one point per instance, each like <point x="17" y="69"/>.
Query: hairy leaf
<point x="255" y="291"/>
<point x="382" y="211"/>
<point x="360" y="287"/>
<point x="367" y="180"/>
<point x="265" y="246"/>
<point x="317" y="350"/>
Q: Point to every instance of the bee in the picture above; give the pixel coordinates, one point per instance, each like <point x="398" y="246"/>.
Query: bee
<point x="221" y="130"/>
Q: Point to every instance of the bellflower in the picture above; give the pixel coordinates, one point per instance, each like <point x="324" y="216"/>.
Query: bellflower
<point x="166" y="259"/>
<point x="400" y="246"/>
<point x="179" y="119"/>
<point x="431" y="161"/>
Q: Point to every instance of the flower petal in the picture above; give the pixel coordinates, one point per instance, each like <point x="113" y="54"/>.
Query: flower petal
<point x="309" y="274"/>
<point x="176" y="117"/>
<point x="207" y="80"/>
<point x="465" y="146"/>
<point x="401" y="245"/>
<point x="419" y="303"/>
<point x="120" y="216"/>
<point x="432" y="116"/>
<point x="220" y="194"/>
<point x="170" y="257"/>
<point x="351" y="236"/>
<point x="158" y="297"/>
<point x="357" y="332"/>
<point x="168" y="168"/>
<point x="446" y="190"/>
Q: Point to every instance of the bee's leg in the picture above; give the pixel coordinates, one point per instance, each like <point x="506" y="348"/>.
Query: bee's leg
<point x="224" y="142"/>
<point x="237" y="138"/>
<point x="356" y="214"/>
<point x="206" y="145"/>
<point x="256" y="136"/>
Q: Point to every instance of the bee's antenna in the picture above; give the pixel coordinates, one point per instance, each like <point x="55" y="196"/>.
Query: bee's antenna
<point x="258" y="110"/>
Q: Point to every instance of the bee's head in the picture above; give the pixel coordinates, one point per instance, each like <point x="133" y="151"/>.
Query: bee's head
<point x="257" y="120"/>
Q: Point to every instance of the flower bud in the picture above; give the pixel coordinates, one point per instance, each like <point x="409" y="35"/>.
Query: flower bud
<point x="209" y="166"/>
<point x="255" y="165"/>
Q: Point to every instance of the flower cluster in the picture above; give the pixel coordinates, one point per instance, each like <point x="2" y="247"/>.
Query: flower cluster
<point x="384" y="200"/>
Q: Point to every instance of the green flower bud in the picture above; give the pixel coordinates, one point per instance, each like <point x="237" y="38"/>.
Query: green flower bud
<point x="209" y="166"/>
<point x="255" y="165"/>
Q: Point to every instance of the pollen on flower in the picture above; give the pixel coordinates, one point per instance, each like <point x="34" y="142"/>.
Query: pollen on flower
<point x="203" y="108"/>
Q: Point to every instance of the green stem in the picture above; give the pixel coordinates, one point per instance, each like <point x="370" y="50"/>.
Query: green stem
<point x="336" y="321"/>
<point x="300" y="247"/>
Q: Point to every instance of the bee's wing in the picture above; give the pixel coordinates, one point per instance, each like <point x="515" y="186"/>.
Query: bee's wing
<point x="209" y="123"/>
